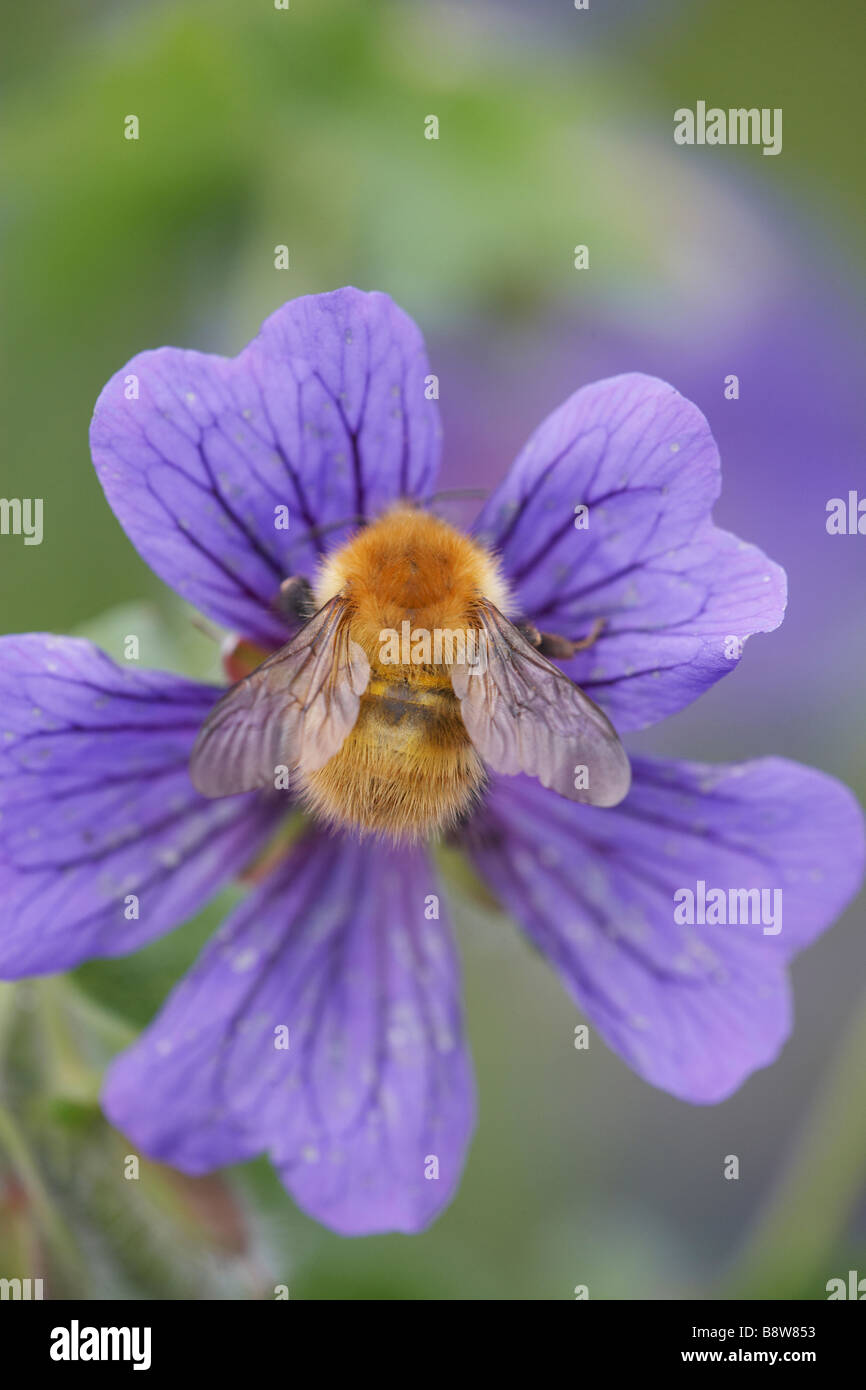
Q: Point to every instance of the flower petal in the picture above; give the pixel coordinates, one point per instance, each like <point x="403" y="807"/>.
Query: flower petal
<point x="694" y="1009"/>
<point x="324" y="413"/>
<point x="96" y="804"/>
<point x="670" y="586"/>
<point x="368" y="1111"/>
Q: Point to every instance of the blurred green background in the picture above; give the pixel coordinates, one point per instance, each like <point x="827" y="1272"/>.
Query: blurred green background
<point x="305" y="127"/>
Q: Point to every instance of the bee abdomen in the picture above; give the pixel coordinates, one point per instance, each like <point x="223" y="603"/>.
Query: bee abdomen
<point x="408" y="769"/>
<point x="398" y="702"/>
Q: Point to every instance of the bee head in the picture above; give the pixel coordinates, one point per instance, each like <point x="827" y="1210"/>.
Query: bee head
<point x="410" y="564"/>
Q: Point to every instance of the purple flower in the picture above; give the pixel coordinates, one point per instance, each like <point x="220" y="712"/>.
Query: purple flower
<point x="341" y="948"/>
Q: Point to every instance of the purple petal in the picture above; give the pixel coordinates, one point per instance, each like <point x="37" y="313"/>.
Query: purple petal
<point x="374" y="1092"/>
<point x="96" y="805"/>
<point x="323" y="413"/>
<point x="693" y="1008"/>
<point x="670" y="586"/>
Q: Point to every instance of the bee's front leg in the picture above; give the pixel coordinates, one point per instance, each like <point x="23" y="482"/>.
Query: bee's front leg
<point x="560" y="648"/>
<point x="295" y="601"/>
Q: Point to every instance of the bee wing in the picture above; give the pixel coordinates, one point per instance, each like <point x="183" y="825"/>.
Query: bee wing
<point x="524" y="715"/>
<point x="295" y="710"/>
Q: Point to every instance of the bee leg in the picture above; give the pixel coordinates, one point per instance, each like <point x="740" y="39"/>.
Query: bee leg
<point x="470" y="828"/>
<point x="241" y="656"/>
<point x="563" y="648"/>
<point x="560" y="648"/>
<point x="295" y="599"/>
<point x="531" y="633"/>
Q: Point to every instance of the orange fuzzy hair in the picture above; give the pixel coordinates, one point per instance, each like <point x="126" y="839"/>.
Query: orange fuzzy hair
<point x="407" y="770"/>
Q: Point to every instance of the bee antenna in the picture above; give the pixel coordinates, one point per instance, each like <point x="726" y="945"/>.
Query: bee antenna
<point x="323" y="530"/>
<point x="357" y="520"/>
<point x="456" y="492"/>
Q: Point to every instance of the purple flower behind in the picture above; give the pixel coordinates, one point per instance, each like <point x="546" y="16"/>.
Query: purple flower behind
<point x="323" y="1024"/>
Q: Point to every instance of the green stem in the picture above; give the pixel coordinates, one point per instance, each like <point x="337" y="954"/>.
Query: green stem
<point x="51" y="1223"/>
<point x="804" y="1220"/>
<point x="113" y="1032"/>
